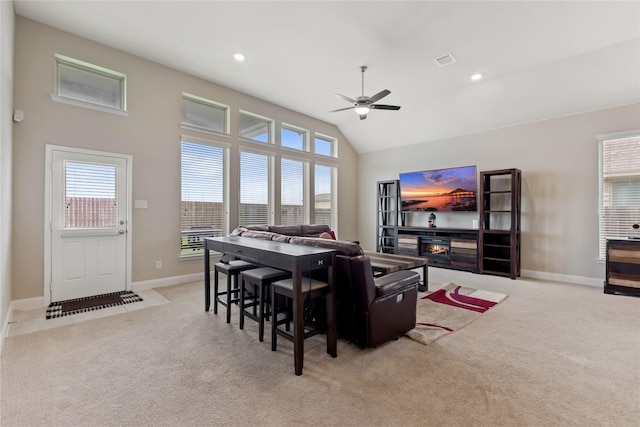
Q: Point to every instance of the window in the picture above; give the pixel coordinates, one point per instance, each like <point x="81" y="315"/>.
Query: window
<point x="293" y="137"/>
<point x="325" y="145"/>
<point x="255" y="194"/>
<point x="325" y="212"/>
<point x="292" y="200"/>
<point x="619" y="186"/>
<point x="203" y="205"/>
<point x="88" y="85"/>
<point x="90" y="196"/>
<point x="255" y="128"/>
<point x="204" y="115"/>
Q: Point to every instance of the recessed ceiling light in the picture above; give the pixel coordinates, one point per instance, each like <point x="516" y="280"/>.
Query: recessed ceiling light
<point x="475" y="77"/>
<point x="239" y="57"/>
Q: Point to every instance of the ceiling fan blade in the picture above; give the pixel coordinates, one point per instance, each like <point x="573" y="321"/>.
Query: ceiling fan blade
<point x="346" y="98"/>
<point x="341" y="109"/>
<point x="362" y="116"/>
<point x="378" y="96"/>
<point x="384" y="107"/>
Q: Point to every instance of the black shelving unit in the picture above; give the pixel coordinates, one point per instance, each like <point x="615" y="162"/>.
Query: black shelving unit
<point x="499" y="234"/>
<point x="388" y="212"/>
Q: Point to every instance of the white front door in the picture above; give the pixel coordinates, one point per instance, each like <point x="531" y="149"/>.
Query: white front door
<point x="88" y="223"/>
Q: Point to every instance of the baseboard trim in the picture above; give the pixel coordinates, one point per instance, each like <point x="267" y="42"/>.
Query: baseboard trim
<point x="567" y="278"/>
<point x="166" y="281"/>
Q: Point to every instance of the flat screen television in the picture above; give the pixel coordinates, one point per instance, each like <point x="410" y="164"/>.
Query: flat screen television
<point x="439" y="190"/>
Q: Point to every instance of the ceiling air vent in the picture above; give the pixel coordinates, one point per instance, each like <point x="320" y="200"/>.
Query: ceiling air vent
<point x="445" y="60"/>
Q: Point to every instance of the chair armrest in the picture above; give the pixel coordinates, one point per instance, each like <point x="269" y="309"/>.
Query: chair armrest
<point x="396" y="281"/>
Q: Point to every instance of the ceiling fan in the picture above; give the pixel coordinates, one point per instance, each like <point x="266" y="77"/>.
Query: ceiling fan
<point x="363" y="104"/>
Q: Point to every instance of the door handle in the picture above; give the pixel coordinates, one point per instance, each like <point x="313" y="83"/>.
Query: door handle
<point x="121" y="232"/>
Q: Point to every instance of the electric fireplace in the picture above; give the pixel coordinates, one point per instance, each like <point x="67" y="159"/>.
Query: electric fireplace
<point x="435" y="247"/>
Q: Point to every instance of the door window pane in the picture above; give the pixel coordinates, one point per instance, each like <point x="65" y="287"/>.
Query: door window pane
<point x="90" y="196"/>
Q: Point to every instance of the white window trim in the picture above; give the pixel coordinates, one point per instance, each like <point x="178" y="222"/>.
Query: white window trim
<point x="227" y="147"/>
<point x="601" y="139"/>
<point x="214" y="104"/>
<point x="269" y="121"/>
<point x="334" y="145"/>
<point x="96" y="69"/>
<point x="305" y="139"/>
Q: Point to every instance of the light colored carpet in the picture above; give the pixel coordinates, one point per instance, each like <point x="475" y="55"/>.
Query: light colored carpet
<point x="552" y="354"/>
<point x="435" y="319"/>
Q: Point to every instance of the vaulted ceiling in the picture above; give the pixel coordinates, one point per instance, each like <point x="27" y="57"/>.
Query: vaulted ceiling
<point x="539" y="60"/>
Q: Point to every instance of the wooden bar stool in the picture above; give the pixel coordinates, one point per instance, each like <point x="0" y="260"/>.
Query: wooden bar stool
<point x="231" y="269"/>
<point x="310" y="288"/>
<point x="254" y="292"/>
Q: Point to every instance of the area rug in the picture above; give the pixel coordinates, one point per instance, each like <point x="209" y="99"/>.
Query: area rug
<point x="96" y="302"/>
<point x="449" y="309"/>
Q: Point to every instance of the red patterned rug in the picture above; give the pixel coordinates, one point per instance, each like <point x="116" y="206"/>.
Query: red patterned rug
<point x="449" y="309"/>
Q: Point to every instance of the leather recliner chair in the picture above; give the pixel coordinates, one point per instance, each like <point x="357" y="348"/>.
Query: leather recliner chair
<point x="384" y="308"/>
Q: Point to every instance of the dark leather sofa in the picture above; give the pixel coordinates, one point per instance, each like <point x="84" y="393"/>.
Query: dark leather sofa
<point x="370" y="311"/>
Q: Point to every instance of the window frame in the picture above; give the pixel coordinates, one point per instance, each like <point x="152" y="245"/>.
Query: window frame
<point x="305" y="188"/>
<point x="270" y="182"/>
<point x="295" y="129"/>
<point x="331" y="140"/>
<point x="602" y="181"/>
<point x="266" y="120"/>
<point x="226" y="148"/>
<point x="97" y="71"/>
<point x="207" y="103"/>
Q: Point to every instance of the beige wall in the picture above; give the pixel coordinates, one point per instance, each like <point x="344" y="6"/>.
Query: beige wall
<point x="151" y="134"/>
<point x="559" y="163"/>
<point x="6" y="136"/>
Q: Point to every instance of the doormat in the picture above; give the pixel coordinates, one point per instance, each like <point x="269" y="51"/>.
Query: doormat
<point x="96" y="302"/>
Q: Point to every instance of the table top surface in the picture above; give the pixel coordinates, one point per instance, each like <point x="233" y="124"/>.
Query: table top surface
<point x="268" y="245"/>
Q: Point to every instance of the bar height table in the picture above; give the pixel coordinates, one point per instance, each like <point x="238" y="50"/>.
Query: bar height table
<point x="294" y="258"/>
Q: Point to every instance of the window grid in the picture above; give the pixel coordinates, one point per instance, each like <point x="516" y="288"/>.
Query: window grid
<point x="619" y="188"/>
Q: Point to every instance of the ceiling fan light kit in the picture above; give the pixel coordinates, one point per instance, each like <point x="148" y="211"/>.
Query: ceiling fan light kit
<point x="363" y="104"/>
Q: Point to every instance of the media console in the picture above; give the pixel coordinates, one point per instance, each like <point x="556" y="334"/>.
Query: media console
<point x="454" y="248"/>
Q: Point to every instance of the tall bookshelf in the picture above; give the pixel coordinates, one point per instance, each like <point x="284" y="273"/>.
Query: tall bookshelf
<point x="388" y="212"/>
<point x="499" y="234"/>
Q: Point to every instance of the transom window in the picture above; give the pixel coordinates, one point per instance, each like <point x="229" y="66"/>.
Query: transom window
<point x="255" y="128"/>
<point x="325" y="145"/>
<point x="204" y="115"/>
<point x="619" y="186"/>
<point x="89" y="85"/>
<point x="293" y="137"/>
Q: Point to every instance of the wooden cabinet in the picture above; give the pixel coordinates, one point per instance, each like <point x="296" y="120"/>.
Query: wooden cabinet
<point x="623" y="267"/>
<point x="388" y="212"/>
<point x="499" y="225"/>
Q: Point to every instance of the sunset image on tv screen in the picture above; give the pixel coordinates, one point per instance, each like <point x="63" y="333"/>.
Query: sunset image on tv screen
<point x="452" y="189"/>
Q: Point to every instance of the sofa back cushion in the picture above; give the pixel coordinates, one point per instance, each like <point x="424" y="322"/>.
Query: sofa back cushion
<point x="342" y="247"/>
<point x="314" y="230"/>
<point x="288" y="230"/>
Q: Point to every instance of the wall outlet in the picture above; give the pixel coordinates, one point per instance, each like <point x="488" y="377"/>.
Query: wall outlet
<point x="158" y="265"/>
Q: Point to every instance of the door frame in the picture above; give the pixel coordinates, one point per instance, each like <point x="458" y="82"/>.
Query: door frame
<point x="48" y="188"/>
